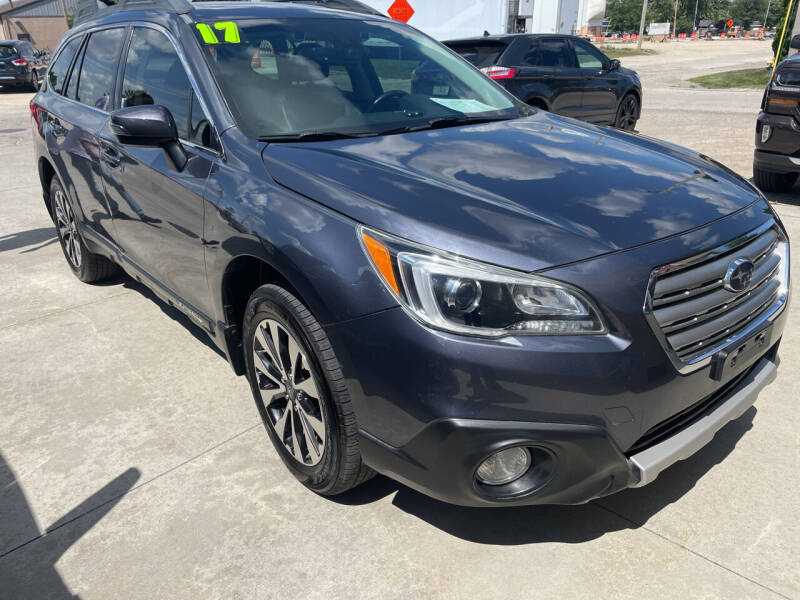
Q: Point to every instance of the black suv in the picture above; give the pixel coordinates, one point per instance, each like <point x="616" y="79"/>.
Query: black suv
<point x="776" y="163"/>
<point x="21" y="64"/>
<point x="419" y="274"/>
<point x="560" y="73"/>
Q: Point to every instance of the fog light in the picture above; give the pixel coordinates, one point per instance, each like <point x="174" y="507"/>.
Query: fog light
<point x="766" y="131"/>
<point x="504" y="466"/>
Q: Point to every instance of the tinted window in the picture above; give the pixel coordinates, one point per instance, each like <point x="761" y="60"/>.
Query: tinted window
<point x="548" y="53"/>
<point x="8" y="52"/>
<point x="154" y="74"/>
<point x="58" y="70"/>
<point x="99" y="68"/>
<point x="480" y="54"/>
<point x="588" y="56"/>
<point x="791" y="78"/>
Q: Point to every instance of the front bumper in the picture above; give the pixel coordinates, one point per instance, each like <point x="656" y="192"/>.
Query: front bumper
<point x="585" y="462"/>
<point x="431" y="405"/>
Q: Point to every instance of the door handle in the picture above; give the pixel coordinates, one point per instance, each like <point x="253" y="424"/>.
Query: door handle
<point x="56" y="127"/>
<point x="110" y="156"/>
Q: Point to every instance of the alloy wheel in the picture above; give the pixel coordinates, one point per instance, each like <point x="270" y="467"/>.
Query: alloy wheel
<point x="627" y="114"/>
<point x="68" y="230"/>
<point x="289" y="392"/>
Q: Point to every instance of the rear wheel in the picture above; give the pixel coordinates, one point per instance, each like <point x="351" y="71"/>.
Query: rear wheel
<point x="627" y="113"/>
<point x="87" y="266"/>
<point x="300" y="392"/>
<point x="35" y="83"/>
<point x="768" y="181"/>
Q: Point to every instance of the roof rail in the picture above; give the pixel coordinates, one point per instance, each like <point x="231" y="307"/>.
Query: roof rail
<point x="90" y="9"/>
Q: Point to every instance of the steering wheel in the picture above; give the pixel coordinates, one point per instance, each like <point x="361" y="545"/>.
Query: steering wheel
<point x="391" y="95"/>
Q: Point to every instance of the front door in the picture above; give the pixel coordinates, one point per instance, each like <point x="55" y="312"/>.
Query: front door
<point x="599" y="92"/>
<point x="158" y="210"/>
<point x="549" y="66"/>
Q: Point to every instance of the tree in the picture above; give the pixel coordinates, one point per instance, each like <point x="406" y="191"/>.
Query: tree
<point x="779" y="25"/>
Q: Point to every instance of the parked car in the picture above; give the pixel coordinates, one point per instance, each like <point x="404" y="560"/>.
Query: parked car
<point x="776" y="163"/>
<point x="563" y="74"/>
<point x="21" y="64"/>
<point x="492" y="304"/>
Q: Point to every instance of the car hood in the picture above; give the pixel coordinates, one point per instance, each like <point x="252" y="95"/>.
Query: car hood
<point x="526" y="193"/>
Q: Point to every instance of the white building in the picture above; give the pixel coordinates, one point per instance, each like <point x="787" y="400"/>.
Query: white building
<point x="450" y="19"/>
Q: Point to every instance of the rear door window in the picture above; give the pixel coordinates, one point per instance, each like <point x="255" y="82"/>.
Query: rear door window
<point x="57" y="74"/>
<point x="549" y="52"/>
<point x="99" y="68"/>
<point x="480" y="54"/>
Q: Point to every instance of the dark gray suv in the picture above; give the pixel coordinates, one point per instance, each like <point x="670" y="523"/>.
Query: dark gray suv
<point x="493" y="304"/>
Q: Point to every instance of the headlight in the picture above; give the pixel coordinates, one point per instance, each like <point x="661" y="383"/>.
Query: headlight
<point x="465" y="296"/>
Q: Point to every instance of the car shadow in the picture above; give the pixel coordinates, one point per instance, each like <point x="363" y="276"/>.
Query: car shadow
<point x="33" y="573"/>
<point x="629" y="509"/>
<point x="37" y="238"/>
<point x="791" y="197"/>
<point x="173" y="313"/>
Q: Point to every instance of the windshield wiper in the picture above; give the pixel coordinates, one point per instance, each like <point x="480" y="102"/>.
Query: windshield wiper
<point x="440" y="122"/>
<point x="311" y="136"/>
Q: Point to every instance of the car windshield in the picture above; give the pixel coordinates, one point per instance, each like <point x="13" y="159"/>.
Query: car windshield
<point x="313" y="78"/>
<point x="8" y="52"/>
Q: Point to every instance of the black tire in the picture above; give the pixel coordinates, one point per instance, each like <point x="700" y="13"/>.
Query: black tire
<point x="340" y="467"/>
<point x="627" y="113"/>
<point x="35" y="83"/>
<point x="768" y="181"/>
<point x="536" y="103"/>
<point x="87" y="266"/>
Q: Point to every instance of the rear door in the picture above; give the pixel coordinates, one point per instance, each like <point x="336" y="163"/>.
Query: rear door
<point x="600" y="85"/>
<point x="548" y="71"/>
<point x="76" y="118"/>
<point x="158" y="211"/>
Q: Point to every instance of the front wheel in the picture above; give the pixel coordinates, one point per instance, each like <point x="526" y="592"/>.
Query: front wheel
<point x="300" y="392"/>
<point x="767" y="181"/>
<point x="627" y="113"/>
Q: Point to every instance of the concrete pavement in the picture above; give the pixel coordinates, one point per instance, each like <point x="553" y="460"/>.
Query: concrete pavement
<point x="133" y="463"/>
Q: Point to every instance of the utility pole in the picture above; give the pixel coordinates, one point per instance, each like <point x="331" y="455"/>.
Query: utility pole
<point x="694" y="23"/>
<point x="766" y="14"/>
<point x="675" y="22"/>
<point x="64" y="9"/>
<point x="641" y="25"/>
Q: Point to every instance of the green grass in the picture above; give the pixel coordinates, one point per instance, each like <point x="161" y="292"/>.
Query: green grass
<point x="743" y="78"/>
<point x="623" y="51"/>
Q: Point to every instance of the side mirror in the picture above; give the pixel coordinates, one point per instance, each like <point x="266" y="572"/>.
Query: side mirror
<point x="614" y="64"/>
<point x="795" y="43"/>
<point x="150" y="126"/>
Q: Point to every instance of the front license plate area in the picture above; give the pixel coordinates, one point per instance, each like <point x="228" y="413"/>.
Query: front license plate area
<point x="732" y="360"/>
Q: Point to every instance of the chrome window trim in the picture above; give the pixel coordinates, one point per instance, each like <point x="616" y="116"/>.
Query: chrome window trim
<point x="770" y="314"/>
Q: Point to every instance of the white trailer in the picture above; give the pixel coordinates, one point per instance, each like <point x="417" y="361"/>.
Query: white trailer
<point x="452" y="19"/>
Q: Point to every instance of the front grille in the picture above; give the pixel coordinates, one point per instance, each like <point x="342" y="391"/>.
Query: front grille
<point x="688" y="303"/>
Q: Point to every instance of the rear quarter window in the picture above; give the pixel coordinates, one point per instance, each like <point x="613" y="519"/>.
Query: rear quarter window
<point x="58" y="70"/>
<point x="789" y="78"/>
<point x="480" y="54"/>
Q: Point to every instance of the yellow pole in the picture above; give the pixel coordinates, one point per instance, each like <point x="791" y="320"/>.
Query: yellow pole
<point x="783" y="31"/>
